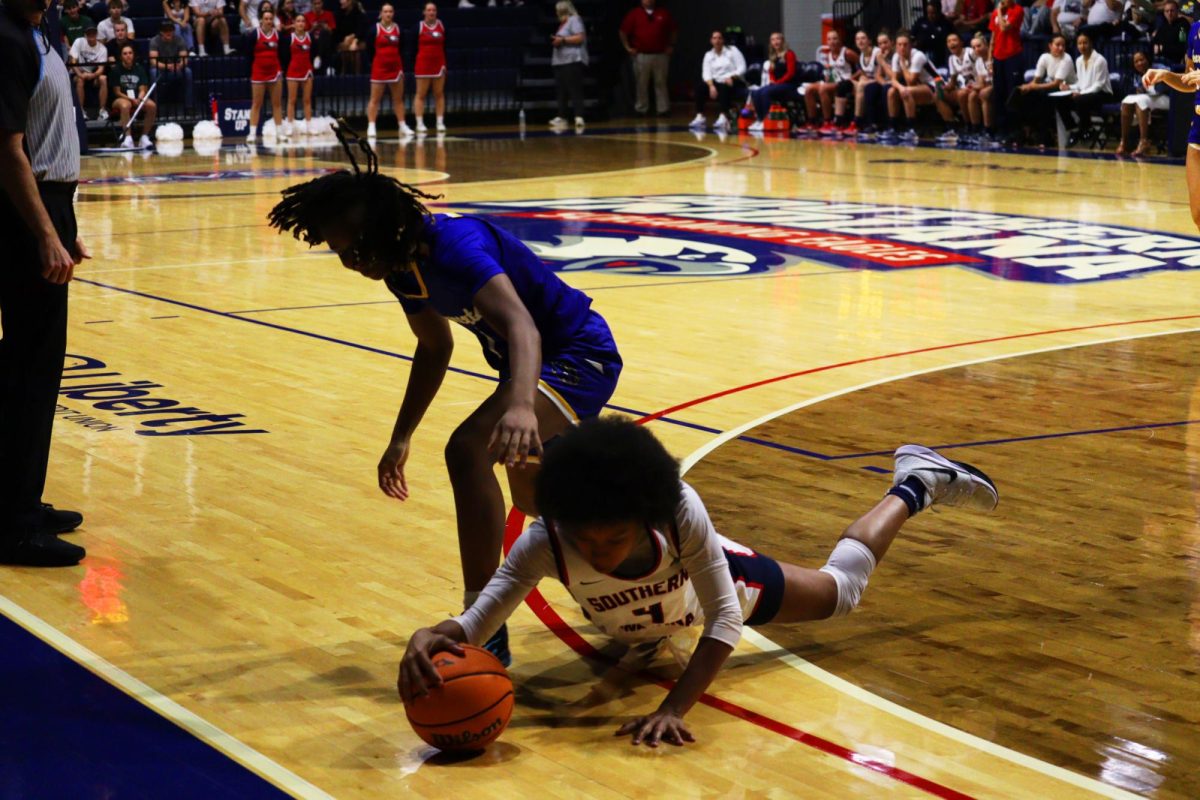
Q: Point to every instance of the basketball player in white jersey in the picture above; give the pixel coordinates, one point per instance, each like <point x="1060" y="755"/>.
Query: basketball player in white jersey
<point x="637" y="550"/>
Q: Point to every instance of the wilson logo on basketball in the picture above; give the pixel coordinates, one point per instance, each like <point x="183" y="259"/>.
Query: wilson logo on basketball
<point x="704" y="236"/>
<point x="465" y="739"/>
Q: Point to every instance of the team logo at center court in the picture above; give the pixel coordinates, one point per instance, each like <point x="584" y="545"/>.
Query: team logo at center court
<point x="707" y="235"/>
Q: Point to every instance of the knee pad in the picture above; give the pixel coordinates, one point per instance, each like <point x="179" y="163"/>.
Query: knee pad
<point x="850" y="564"/>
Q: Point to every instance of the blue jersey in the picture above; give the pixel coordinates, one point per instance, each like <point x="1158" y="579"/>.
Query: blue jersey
<point x="1192" y="59"/>
<point x="464" y="253"/>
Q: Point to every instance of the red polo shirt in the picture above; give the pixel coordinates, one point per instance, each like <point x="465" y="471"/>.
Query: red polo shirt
<point x="649" y="32"/>
<point x="1006" y="44"/>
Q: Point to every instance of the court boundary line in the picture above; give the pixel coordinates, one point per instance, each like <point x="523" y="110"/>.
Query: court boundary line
<point x="225" y="743"/>
<point x="869" y="698"/>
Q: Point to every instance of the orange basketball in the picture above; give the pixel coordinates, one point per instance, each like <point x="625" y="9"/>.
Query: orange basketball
<point x="471" y="708"/>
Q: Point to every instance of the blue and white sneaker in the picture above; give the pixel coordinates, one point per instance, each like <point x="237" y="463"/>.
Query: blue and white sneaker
<point x="948" y="139"/>
<point x="909" y="137"/>
<point x="946" y="482"/>
<point x="888" y="136"/>
<point x="498" y="645"/>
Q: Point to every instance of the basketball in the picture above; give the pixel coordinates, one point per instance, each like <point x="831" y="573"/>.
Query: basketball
<point x="471" y="708"/>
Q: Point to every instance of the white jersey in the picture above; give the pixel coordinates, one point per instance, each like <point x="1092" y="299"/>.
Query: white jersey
<point x="688" y="583"/>
<point x="962" y="69"/>
<point x="835" y="68"/>
<point x="867" y="62"/>
<point x="916" y="63"/>
<point x="983" y="75"/>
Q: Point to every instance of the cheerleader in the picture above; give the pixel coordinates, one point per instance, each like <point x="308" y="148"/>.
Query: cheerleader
<point x="387" y="69"/>
<point x="430" y="68"/>
<point x="299" y="73"/>
<point x="265" y="72"/>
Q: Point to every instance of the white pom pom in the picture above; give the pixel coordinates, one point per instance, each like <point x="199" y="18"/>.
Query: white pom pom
<point x="206" y="147"/>
<point x="206" y="130"/>
<point x="168" y="148"/>
<point x="168" y="132"/>
<point x="321" y="126"/>
<point x="268" y="129"/>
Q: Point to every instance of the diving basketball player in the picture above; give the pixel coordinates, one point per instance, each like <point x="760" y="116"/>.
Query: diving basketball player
<point x="1187" y="82"/>
<point x="636" y="549"/>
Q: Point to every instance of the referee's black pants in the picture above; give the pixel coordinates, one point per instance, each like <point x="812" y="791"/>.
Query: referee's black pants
<point x="33" y="343"/>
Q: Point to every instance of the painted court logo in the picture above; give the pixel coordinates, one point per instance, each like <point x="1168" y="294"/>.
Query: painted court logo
<point x="705" y="235"/>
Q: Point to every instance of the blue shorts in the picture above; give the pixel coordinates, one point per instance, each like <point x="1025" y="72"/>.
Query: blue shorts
<point x="1194" y="132"/>
<point x="581" y="378"/>
<point x="758" y="580"/>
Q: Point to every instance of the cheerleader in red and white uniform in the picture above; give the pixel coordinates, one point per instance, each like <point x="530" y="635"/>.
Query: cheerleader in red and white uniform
<point x="430" y="68"/>
<point x="299" y="73"/>
<point x="266" y="72"/>
<point x="387" y="70"/>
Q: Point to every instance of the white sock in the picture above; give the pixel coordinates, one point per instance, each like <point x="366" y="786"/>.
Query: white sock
<point x="441" y="121"/>
<point x="469" y="599"/>
<point x="850" y="564"/>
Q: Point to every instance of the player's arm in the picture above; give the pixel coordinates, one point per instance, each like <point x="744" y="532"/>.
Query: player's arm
<point x="417" y="671"/>
<point x="516" y="434"/>
<point x="1173" y="79"/>
<point x="435" y="344"/>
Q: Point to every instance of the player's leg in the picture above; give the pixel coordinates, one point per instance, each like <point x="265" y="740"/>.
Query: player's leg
<point x="373" y="105"/>
<point x="277" y="107"/>
<point x="419" y="101"/>
<point x="922" y="478"/>
<point x="257" y="91"/>
<point x="308" y="90"/>
<point x="439" y="100"/>
<point x="293" y="88"/>
<point x="397" y="90"/>
<point x="1193" y="178"/>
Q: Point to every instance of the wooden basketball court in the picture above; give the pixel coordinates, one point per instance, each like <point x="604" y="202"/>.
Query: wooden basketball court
<point x="1035" y="315"/>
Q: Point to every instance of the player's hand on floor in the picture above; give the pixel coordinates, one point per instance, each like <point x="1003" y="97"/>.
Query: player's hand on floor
<point x="391" y="470"/>
<point x="417" y="672"/>
<point x="664" y="726"/>
<point x="515" y="437"/>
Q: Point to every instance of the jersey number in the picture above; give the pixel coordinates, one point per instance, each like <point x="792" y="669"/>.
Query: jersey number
<point x="655" y="612"/>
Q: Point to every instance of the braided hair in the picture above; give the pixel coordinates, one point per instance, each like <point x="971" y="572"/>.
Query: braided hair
<point x="393" y="215"/>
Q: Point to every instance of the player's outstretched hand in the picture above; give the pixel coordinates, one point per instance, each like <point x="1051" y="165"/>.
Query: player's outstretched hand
<point x="515" y="437"/>
<point x="1191" y="77"/>
<point x="417" y="672"/>
<point x="1153" y="76"/>
<point x="391" y="470"/>
<point x="664" y="726"/>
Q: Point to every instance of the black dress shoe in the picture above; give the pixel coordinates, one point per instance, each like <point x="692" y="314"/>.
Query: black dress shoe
<point x="56" y="520"/>
<point x="40" y="550"/>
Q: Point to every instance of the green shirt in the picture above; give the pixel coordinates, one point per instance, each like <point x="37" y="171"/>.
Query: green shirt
<point x="75" y="28"/>
<point x="128" y="81"/>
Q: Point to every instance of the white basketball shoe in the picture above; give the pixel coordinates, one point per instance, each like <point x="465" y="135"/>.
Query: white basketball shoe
<point x="946" y="482"/>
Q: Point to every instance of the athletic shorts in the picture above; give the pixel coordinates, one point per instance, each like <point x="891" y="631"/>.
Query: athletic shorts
<point x="581" y="378"/>
<point x="758" y="580"/>
<point x="1194" y="133"/>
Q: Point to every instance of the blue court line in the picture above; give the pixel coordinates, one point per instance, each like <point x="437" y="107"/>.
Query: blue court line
<point x="67" y="733"/>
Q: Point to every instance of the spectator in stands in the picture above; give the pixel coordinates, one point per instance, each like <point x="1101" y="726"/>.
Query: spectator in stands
<point x="87" y="60"/>
<point x="209" y="17"/>
<point x="974" y="17"/>
<point x="177" y="12"/>
<point x="387" y="70"/>
<point x="130" y="85"/>
<point x="285" y="16"/>
<point x="780" y="78"/>
<point x="321" y="25"/>
<point x="248" y="11"/>
<point x="169" y="62"/>
<point x="299" y="74"/>
<point x="74" y="23"/>
<point x="119" y="41"/>
<point x="1037" y="19"/>
<point x="351" y="34"/>
<point x="1140" y="103"/>
<point x="1092" y="88"/>
<point x="106" y="30"/>
<point x="266" y="72"/>
<point x="1102" y="18"/>
<point x="930" y="31"/>
<point x="834" y="90"/>
<point x="1007" y="64"/>
<point x="430" y="67"/>
<point x="98" y="11"/>
<point x="723" y="79"/>
<point x="569" y="58"/>
<point x="870" y="99"/>
<point x="952" y="10"/>
<point x="1065" y="16"/>
<point x="1031" y="103"/>
<point x="648" y="35"/>
<point x="979" y="97"/>
<point x="1170" y="37"/>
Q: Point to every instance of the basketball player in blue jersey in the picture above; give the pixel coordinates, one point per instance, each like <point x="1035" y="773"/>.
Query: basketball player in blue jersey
<point x="1187" y="82"/>
<point x="637" y="550"/>
<point x="555" y="356"/>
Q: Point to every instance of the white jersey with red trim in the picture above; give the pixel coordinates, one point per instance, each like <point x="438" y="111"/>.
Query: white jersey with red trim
<point x="688" y="583"/>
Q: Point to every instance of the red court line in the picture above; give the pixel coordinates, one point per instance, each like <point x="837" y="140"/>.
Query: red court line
<point x="551" y="619"/>
<point x="886" y="356"/>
